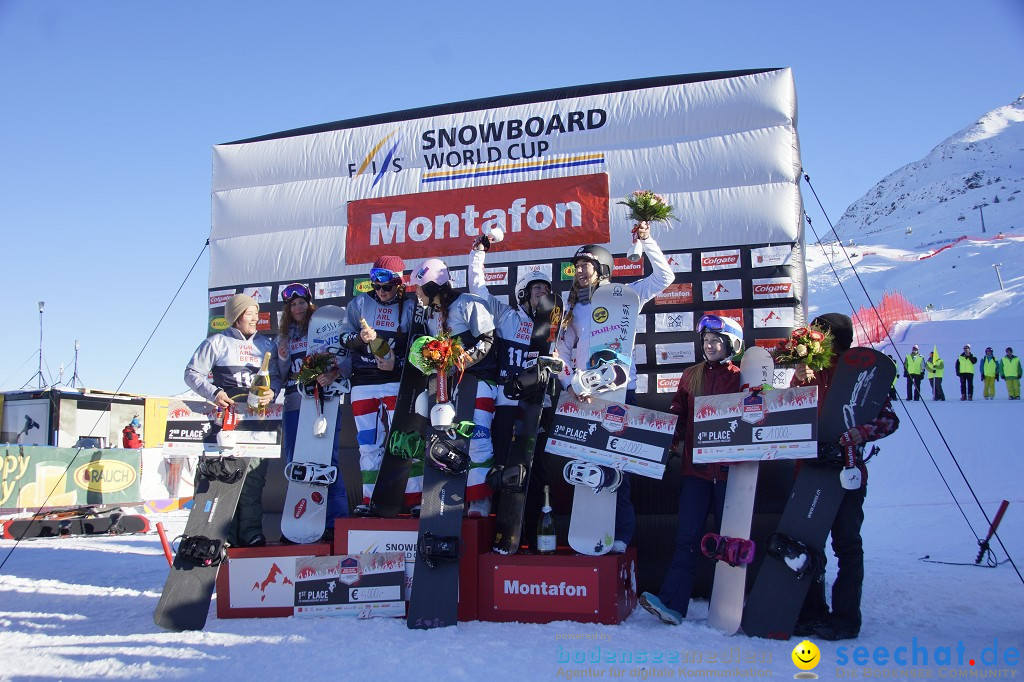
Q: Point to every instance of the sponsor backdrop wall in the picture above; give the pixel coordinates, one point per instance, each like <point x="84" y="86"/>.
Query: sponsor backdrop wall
<point x="320" y="204"/>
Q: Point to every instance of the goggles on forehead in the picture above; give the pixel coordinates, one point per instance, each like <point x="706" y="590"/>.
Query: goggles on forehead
<point x="293" y="290"/>
<point x="383" y="276"/>
<point x="710" y="323"/>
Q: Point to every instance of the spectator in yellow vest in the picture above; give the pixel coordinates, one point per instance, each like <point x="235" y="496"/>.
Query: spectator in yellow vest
<point x="989" y="371"/>
<point x="965" y="363"/>
<point x="1009" y="369"/>
<point x="936" y="368"/>
<point x="913" y="370"/>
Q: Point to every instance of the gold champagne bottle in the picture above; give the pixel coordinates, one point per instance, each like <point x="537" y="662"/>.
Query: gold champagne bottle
<point x="546" y="532"/>
<point x="379" y="346"/>
<point x="260" y="385"/>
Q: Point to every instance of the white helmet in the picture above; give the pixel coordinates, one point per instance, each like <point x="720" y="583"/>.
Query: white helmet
<point x="527" y="280"/>
<point x="430" y="276"/>
<point x="728" y="328"/>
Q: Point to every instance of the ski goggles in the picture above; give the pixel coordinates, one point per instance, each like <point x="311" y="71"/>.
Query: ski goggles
<point x="608" y="356"/>
<point x="296" y="290"/>
<point x="383" y="276"/>
<point x="710" y="323"/>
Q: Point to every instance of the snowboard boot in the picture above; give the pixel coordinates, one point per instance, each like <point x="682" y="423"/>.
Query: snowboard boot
<point x="663" y="613"/>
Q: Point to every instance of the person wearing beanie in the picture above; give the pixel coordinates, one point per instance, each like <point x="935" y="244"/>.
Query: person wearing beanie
<point x="388" y="313"/>
<point x="989" y="371"/>
<point x="221" y="371"/>
<point x="1009" y="369"/>
<point x="292" y="342"/>
<point x="130" y="436"/>
<point x="965" y="363"/>
<point x="844" y="619"/>
<point x="703" y="486"/>
<point x="594" y="265"/>
<point x="913" y="371"/>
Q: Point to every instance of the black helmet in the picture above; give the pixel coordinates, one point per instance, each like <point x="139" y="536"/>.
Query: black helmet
<point x="602" y="259"/>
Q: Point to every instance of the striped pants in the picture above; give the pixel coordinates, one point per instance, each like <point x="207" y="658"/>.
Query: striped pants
<point x="369" y="403"/>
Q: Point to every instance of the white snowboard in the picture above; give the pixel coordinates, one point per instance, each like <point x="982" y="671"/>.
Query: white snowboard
<point x="304" y="516"/>
<point x="726" y="609"/>
<point x="614" y="310"/>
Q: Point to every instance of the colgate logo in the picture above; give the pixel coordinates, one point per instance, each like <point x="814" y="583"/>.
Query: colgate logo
<point x="719" y="260"/>
<point x="772" y="288"/>
<point x="300" y="509"/>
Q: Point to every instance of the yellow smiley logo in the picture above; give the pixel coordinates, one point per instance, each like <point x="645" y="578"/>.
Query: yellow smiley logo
<point x="600" y="315"/>
<point x="806" y="655"/>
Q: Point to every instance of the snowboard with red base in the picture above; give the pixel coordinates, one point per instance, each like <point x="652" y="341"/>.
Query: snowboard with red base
<point x="725" y="611"/>
<point x="614" y="310"/>
<point x="304" y="515"/>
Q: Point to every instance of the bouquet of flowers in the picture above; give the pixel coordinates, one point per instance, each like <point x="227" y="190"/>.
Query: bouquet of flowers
<point x="314" y="365"/>
<point x="809" y="345"/>
<point x="431" y="354"/>
<point x="647" y="207"/>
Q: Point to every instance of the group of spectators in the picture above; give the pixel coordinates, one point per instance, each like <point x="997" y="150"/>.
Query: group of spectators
<point x="991" y="370"/>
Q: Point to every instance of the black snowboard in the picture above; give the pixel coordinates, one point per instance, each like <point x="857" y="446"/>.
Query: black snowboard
<point x="107" y="522"/>
<point x="185" y="601"/>
<point x="389" y="490"/>
<point x="435" y="588"/>
<point x="512" y="495"/>
<point x="859" y="390"/>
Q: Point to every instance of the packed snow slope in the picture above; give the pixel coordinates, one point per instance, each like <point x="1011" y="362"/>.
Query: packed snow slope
<point x="82" y="608"/>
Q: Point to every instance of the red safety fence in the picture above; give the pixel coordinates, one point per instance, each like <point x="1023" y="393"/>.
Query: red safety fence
<point x="870" y="328"/>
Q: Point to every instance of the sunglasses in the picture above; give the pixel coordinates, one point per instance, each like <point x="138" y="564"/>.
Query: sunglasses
<point x="383" y="276"/>
<point x="383" y="287"/>
<point x="293" y="290"/>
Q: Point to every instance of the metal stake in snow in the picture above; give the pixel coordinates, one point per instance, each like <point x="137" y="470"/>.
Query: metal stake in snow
<point x="983" y="544"/>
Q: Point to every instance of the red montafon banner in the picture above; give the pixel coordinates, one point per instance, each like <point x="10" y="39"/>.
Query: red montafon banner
<point x="534" y="215"/>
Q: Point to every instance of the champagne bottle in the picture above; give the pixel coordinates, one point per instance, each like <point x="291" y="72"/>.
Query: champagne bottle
<point x="378" y="346"/>
<point x="260" y="385"/>
<point x="546" y="541"/>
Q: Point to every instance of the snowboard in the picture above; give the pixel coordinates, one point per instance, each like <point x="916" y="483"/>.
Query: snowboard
<point x="614" y="310"/>
<point x="304" y="514"/>
<point x="859" y="390"/>
<point x="435" y="585"/>
<point x="185" y="600"/>
<point x="592" y="523"/>
<point x="404" y="446"/>
<point x="83" y="521"/>
<point x="512" y="481"/>
<point x="729" y="588"/>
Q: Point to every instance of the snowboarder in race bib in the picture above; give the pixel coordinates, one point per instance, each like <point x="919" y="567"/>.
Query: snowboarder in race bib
<point x="292" y="343"/>
<point x="844" y="620"/>
<point x="383" y="314"/>
<point x="703" y="487"/>
<point x="514" y="326"/>
<point x="594" y="265"/>
<point x="225" y="364"/>
<point x="465" y="316"/>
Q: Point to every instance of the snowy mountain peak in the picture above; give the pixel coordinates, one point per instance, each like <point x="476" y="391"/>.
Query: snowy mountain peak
<point x="981" y="165"/>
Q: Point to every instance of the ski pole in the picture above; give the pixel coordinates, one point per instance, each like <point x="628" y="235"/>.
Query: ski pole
<point x="983" y="544"/>
<point x="163" y="541"/>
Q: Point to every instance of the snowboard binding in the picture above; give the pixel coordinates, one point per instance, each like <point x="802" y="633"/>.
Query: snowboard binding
<point x="316" y="474"/>
<point x="535" y="380"/>
<point x="801" y="559"/>
<point x="223" y="469"/>
<point x="507" y="479"/>
<point x="434" y="549"/>
<point x="201" y="550"/>
<point x="733" y="551"/>
<point x="407" y="444"/>
<point x="578" y="472"/>
<point x="447" y="455"/>
<point x="608" y="377"/>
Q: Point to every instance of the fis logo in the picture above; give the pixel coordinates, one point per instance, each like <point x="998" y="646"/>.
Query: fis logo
<point x="371" y="164"/>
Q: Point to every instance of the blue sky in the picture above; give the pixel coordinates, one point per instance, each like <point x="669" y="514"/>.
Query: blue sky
<point x="109" y="111"/>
